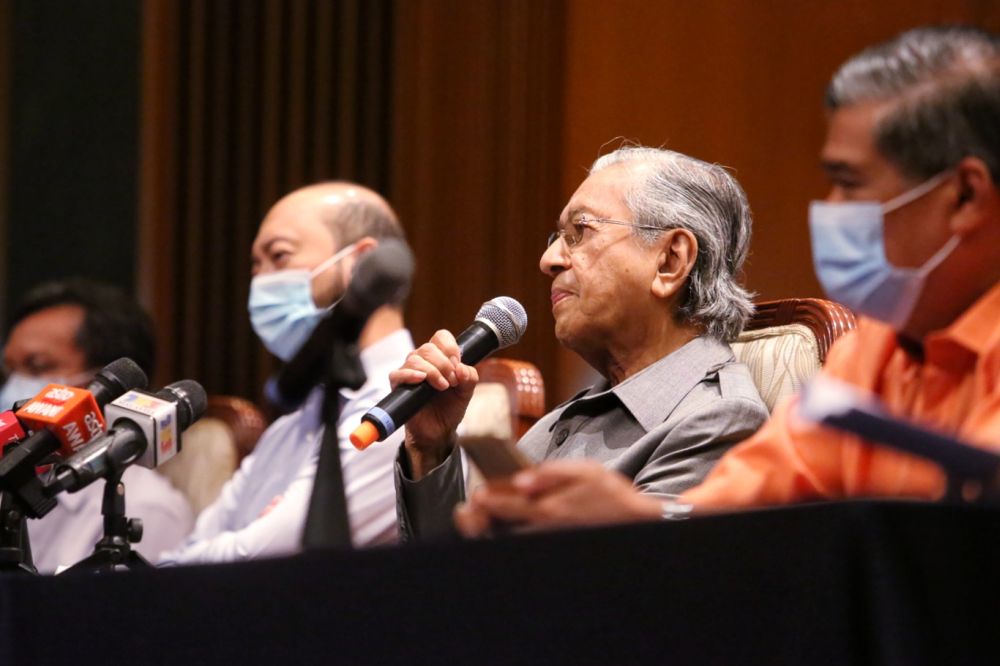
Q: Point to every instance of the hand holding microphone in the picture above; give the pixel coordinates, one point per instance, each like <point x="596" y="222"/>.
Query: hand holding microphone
<point x="440" y="376"/>
<point x="437" y="364"/>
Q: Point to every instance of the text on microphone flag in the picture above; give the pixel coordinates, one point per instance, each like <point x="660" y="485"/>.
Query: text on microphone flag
<point x="70" y="413"/>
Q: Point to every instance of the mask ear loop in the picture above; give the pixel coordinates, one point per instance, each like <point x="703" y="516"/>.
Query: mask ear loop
<point x="913" y="195"/>
<point x="340" y="254"/>
<point x="326" y="265"/>
<point x="940" y="256"/>
<point x="917" y="192"/>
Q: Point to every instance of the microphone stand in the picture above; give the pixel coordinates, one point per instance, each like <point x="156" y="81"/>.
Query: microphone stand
<point x="15" y="546"/>
<point x="21" y="495"/>
<point x="327" y="524"/>
<point x="120" y="532"/>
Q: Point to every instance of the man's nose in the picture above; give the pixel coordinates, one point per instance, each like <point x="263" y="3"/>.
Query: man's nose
<point x="555" y="259"/>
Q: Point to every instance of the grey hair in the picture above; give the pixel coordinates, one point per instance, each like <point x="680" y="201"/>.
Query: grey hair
<point x="947" y="83"/>
<point x="676" y="191"/>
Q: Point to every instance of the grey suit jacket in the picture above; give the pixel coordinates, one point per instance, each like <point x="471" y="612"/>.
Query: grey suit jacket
<point x="664" y="427"/>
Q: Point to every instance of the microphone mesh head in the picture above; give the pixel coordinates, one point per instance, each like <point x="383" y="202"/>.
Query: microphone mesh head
<point x="126" y="373"/>
<point x="116" y="378"/>
<point x="507" y="318"/>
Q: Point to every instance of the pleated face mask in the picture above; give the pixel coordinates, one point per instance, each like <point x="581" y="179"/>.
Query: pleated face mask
<point x="848" y="248"/>
<point x="282" y="311"/>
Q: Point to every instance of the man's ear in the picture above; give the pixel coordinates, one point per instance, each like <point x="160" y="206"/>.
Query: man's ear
<point x="365" y="244"/>
<point x="362" y="246"/>
<point x="678" y="253"/>
<point x="978" y="199"/>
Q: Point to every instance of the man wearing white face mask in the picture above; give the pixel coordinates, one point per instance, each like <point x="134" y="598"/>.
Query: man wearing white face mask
<point x="909" y="237"/>
<point x="302" y="259"/>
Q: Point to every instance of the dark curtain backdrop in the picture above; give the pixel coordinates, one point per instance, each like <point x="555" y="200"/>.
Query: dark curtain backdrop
<point x="244" y="101"/>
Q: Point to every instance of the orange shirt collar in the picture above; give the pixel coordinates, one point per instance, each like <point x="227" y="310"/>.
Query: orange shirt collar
<point x="975" y="329"/>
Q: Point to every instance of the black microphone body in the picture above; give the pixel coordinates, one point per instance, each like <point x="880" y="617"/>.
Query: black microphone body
<point x="475" y="343"/>
<point x="116" y="449"/>
<point x="500" y="323"/>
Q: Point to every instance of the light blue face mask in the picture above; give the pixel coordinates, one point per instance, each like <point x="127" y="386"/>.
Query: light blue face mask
<point x="849" y="255"/>
<point x="19" y="387"/>
<point x="281" y="307"/>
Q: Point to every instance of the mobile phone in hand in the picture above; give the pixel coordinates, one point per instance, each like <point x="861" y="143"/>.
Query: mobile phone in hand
<point x="497" y="458"/>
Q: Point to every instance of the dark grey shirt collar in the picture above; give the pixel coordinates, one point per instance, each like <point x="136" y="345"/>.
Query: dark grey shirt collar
<point x="651" y="394"/>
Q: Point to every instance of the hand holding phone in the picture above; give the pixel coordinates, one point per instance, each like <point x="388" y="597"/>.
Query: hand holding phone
<point x="496" y="457"/>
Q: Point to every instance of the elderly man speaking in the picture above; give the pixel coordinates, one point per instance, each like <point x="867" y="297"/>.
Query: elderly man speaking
<point x="909" y="237"/>
<point x="644" y="268"/>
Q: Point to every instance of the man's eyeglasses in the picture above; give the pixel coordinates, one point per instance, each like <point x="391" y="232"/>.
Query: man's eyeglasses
<point x="573" y="232"/>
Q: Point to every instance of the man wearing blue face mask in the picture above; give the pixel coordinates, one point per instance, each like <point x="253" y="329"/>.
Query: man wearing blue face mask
<point x="62" y="332"/>
<point x="909" y="237"/>
<point x="302" y="262"/>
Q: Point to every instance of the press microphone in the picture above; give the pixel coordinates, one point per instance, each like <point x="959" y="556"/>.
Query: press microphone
<point x="382" y="276"/>
<point x="499" y="323"/>
<point x="69" y="413"/>
<point x="62" y="420"/>
<point x="11" y="430"/>
<point x="145" y="430"/>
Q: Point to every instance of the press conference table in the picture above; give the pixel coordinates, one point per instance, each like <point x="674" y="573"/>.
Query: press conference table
<point x="865" y="583"/>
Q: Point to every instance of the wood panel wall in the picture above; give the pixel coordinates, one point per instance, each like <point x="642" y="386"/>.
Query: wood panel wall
<point x="734" y="82"/>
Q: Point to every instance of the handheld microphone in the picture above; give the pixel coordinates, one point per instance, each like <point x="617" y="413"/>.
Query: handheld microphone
<point x="499" y="323"/>
<point x="145" y="429"/>
<point x="17" y="467"/>
<point x="382" y="276"/>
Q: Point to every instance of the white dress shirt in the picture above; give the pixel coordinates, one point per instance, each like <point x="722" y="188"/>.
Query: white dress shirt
<point x="261" y="511"/>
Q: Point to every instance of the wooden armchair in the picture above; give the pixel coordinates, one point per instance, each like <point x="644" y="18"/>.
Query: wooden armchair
<point x="786" y="342"/>
<point x="508" y="400"/>
<point x="525" y="390"/>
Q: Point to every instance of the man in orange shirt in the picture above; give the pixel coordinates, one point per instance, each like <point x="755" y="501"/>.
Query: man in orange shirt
<point x="909" y="237"/>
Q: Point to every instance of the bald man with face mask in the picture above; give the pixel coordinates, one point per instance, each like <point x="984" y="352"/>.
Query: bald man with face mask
<point x="302" y="262"/>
